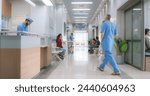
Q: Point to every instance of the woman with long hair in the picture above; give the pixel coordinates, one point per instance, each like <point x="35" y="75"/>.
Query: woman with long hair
<point x="59" y="45"/>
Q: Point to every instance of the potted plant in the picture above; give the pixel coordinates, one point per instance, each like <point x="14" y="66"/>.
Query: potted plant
<point x="121" y="47"/>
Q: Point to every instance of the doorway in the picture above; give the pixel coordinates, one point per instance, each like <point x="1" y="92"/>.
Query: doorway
<point x="134" y="35"/>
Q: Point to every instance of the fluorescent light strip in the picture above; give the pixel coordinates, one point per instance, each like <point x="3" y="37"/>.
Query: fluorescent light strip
<point x="137" y="9"/>
<point x="47" y="2"/>
<point x="80" y="17"/>
<point x="31" y="3"/>
<point x="80" y="20"/>
<point x="81" y="9"/>
<point x="81" y="13"/>
<point x="81" y="2"/>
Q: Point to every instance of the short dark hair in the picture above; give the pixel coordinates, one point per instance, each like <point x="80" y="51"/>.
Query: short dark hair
<point x="97" y="38"/>
<point x="146" y="30"/>
<point x="108" y="16"/>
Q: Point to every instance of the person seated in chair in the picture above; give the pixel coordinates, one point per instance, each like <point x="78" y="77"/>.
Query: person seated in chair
<point x="92" y="45"/>
<point x="97" y="42"/>
<point x="59" y="45"/>
<point x="147" y="40"/>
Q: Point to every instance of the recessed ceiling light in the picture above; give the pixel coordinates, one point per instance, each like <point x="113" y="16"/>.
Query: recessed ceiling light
<point x="81" y="2"/>
<point x="81" y="9"/>
<point x="47" y="2"/>
<point x="30" y="2"/>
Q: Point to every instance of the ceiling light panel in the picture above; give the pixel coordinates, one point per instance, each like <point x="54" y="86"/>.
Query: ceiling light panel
<point x="47" y="2"/>
<point x="31" y="3"/>
<point x="81" y="13"/>
<point x="80" y="17"/>
<point x="81" y="9"/>
<point x="80" y="20"/>
<point x="81" y="3"/>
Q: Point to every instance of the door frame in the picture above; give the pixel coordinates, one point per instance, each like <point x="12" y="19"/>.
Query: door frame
<point x="142" y="38"/>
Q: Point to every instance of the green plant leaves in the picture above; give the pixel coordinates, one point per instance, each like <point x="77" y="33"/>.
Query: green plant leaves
<point x="123" y="47"/>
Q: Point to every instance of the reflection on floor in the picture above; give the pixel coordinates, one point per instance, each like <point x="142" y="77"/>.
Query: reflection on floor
<point x="82" y="65"/>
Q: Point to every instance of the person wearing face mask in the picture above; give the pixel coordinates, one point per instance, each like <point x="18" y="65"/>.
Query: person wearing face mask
<point x="147" y="39"/>
<point x="23" y="27"/>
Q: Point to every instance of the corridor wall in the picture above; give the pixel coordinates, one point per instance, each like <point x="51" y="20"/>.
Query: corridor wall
<point x="147" y="13"/>
<point x="59" y="20"/>
<point x="20" y="10"/>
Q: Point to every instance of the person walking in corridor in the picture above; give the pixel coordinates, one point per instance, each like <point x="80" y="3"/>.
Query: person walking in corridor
<point x="108" y="31"/>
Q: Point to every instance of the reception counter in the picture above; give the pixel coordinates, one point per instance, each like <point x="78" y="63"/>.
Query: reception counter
<point x="20" y="56"/>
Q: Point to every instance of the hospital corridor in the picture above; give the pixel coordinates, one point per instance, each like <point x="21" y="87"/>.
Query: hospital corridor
<point x="75" y="39"/>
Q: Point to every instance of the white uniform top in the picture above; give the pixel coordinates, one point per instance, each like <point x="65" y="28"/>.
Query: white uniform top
<point x="147" y="42"/>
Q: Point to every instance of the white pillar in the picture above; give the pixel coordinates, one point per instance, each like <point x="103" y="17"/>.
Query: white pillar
<point x="60" y="18"/>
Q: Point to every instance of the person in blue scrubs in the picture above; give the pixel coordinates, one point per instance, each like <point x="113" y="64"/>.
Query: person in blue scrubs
<point x="108" y="31"/>
<point x="23" y="27"/>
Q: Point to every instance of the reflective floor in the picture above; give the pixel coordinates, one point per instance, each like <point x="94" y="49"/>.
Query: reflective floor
<point x="82" y="65"/>
<point x="79" y="65"/>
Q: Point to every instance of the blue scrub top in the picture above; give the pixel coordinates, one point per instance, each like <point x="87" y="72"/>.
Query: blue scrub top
<point x="71" y="38"/>
<point x="22" y="27"/>
<point x="109" y="30"/>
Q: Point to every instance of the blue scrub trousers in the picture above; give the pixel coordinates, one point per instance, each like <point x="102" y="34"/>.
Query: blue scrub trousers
<point x="109" y="58"/>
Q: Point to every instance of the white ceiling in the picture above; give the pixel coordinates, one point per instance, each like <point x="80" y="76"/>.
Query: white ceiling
<point x="38" y="2"/>
<point x="88" y="14"/>
<point x="72" y="14"/>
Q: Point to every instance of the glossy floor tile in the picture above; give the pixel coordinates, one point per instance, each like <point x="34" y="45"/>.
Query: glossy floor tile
<point x="82" y="65"/>
<point x="79" y="65"/>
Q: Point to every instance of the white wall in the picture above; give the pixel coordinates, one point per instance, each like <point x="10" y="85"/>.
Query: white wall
<point x="113" y="6"/>
<point x="117" y="16"/>
<point x="90" y="33"/>
<point x="0" y="13"/>
<point x="110" y="8"/>
<point x="60" y="15"/>
<point x="40" y="15"/>
<point x="20" y="10"/>
<point x="147" y="14"/>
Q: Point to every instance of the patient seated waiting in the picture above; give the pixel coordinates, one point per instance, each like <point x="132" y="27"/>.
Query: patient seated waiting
<point x="147" y="40"/>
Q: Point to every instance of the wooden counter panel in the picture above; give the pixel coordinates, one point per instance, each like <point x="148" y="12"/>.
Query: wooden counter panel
<point x="19" y="63"/>
<point x="30" y="62"/>
<point x="10" y="63"/>
<point x="147" y="63"/>
<point x="45" y="56"/>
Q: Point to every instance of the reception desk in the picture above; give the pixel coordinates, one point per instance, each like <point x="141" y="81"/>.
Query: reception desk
<point x="20" y="56"/>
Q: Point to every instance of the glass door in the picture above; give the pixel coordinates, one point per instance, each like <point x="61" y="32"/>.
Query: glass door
<point x="128" y="36"/>
<point x="133" y="34"/>
<point x="137" y="36"/>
